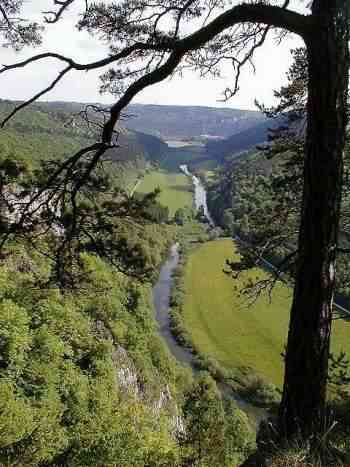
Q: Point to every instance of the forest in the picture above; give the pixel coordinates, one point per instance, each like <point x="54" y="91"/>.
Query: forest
<point x="80" y="353"/>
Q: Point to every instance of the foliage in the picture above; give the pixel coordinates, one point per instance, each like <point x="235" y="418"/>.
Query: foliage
<point x="217" y="433"/>
<point x="64" y="399"/>
<point x="61" y="399"/>
<point x="15" y="31"/>
<point x="184" y="215"/>
<point x="204" y="422"/>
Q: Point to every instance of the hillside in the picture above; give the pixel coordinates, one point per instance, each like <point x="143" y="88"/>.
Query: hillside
<point x="187" y="122"/>
<point x="49" y="130"/>
<point x="239" y="142"/>
<point x="46" y="131"/>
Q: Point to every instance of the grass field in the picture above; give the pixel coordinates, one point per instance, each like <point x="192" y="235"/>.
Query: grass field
<point x="175" y="189"/>
<point x="222" y="325"/>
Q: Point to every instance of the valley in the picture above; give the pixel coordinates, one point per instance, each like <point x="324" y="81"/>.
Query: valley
<point x="238" y="337"/>
<point x="170" y="304"/>
<point x="175" y="233"/>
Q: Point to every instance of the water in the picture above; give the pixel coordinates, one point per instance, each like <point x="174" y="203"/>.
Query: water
<point x="200" y="195"/>
<point x="161" y="301"/>
<point x="183" y="144"/>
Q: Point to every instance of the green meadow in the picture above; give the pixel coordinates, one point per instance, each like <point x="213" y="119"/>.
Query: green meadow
<point x="175" y="189"/>
<point x="223" y="324"/>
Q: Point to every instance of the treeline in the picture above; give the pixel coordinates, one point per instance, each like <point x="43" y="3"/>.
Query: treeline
<point x="64" y="384"/>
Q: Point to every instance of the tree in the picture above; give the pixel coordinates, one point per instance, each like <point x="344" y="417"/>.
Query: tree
<point x="180" y="216"/>
<point x="204" y="424"/>
<point x="15" y="31"/>
<point x="183" y="215"/>
<point x="146" y="50"/>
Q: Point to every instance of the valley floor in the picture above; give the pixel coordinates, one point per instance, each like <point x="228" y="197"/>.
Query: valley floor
<point x="175" y="189"/>
<point x="221" y="323"/>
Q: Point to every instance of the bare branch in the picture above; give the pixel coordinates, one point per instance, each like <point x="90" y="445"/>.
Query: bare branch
<point x="56" y="15"/>
<point x="87" y="66"/>
<point x="37" y="96"/>
<point x="229" y="93"/>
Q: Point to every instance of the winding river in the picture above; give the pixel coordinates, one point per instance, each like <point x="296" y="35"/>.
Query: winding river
<point x="161" y="300"/>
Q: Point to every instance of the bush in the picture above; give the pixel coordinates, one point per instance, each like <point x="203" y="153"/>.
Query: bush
<point x="260" y="392"/>
<point x="207" y="363"/>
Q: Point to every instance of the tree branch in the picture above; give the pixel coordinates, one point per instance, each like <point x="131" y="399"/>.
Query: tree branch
<point x="272" y="16"/>
<point x="56" y="15"/>
<point x="126" y="52"/>
<point x="37" y="96"/>
<point x="154" y="77"/>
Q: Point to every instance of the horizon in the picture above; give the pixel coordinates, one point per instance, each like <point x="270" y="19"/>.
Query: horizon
<point x="53" y="101"/>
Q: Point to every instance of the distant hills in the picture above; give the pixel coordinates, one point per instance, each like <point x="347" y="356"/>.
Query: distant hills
<point x="171" y="122"/>
<point x="45" y="130"/>
<point x="225" y="132"/>
<point x="239" y="142"/>
<point x="58" y="121"/>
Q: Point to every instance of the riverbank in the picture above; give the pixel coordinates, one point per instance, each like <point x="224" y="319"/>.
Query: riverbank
<point x="163" y="300"/>
<point x="203" y="306"/>
<point x="238" y="343"/>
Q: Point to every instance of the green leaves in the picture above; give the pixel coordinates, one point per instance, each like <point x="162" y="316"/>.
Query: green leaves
<point x="16" y="416"/>
<point x="15" y="336"/>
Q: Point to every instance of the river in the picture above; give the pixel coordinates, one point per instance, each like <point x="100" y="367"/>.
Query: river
<point x="161" y="301"/>
<point x="200" y="195"/>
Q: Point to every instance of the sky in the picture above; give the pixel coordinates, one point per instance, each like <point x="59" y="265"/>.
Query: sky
<point x="271" y="63"/>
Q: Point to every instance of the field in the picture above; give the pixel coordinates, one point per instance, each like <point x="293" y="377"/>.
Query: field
<point x="222" y="325"/>
<point x="193" y="155"/>
<point x="175" y="189"/>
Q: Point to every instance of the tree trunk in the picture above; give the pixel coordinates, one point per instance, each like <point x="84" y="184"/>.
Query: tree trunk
<point x="304" y="394"/>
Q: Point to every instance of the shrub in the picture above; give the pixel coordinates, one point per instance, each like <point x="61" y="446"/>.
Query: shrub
<point x="260" y="392"/>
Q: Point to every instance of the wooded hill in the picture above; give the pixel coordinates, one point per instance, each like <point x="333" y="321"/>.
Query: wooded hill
<point x="54" y="129"/>
<point x="239" y="142"/>
<point x="47" y="131"/>
<point x="183" y="122"/>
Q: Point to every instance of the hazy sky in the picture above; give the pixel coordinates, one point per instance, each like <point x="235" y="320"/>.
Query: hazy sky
<point x="271" y="62"/>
